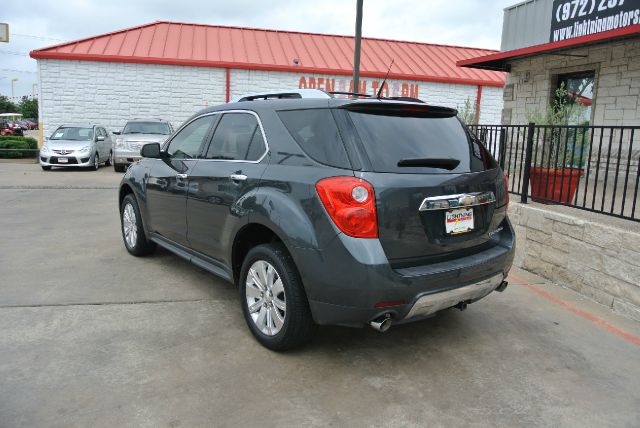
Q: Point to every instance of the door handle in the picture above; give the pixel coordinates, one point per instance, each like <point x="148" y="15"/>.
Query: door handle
<point x="182" y="176"/>
<point x="238" y="177"/>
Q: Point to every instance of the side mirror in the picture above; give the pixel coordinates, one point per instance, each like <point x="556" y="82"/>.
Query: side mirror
<point x="116" y="132"/>
<point x="151" y="150"/>
<point x="100" y="138"/>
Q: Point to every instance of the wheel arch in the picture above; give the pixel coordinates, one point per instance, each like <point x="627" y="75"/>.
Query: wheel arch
<point x="249" y="236"/>
<point x="125" y="190"/>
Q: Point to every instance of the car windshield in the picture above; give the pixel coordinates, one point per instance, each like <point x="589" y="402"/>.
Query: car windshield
<point x="147" y="128"/>
<point x="73" y="133"/>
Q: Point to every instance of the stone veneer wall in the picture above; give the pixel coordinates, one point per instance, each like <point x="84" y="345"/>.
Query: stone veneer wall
<point x="617" y="82"/>
<point x="597" y="260"/>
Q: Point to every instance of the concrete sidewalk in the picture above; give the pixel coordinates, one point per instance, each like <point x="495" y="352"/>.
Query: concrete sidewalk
<point x="93" y="336"/>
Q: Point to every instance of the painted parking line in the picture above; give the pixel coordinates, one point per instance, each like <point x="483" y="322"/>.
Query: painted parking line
<point x="580" y="312"/>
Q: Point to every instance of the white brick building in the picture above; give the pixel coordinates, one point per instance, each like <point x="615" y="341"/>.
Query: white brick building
<point x="171" y="70"/>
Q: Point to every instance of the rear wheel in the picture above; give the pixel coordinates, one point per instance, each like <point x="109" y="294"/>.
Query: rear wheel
<point x="133" y="234"/>
<point x="108" y="162"/>
<point x="274" y="303"/>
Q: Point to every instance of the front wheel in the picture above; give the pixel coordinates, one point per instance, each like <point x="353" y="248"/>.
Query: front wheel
<point x="118" y="167"/>
<point x="133" y="234"/>
<point x="96" y="162"/>
<point x="109" y="159"/>
<point x="274" y="302"/>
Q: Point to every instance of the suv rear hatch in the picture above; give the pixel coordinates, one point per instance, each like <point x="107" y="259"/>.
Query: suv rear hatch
<point x="439" y="194"/>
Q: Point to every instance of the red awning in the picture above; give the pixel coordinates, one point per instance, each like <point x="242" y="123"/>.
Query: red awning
<point x="258" y="49"/>
<point x="499" y="61"/>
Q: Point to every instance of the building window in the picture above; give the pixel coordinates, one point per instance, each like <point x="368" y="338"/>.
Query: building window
<point x="575" y="93"/>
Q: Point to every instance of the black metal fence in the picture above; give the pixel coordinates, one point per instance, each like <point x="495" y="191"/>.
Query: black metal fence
<point x="594" y="168"/>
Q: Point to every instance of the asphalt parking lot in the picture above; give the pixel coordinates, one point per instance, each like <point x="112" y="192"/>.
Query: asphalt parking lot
<point x="94" y="337"/>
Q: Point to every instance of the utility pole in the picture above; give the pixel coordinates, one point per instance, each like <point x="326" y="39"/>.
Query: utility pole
<point x="13" y="94"/>
<point x="356" y="51"/>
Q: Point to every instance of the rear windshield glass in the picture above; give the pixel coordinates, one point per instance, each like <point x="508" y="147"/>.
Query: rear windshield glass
<point x="316" y="132"/>
<point x="390" y="139"/>
<point x="73" y="133"/>
<point x="147" y="128"/>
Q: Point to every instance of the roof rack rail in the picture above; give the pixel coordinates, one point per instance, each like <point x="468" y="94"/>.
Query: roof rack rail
<point x="282" y="94"/>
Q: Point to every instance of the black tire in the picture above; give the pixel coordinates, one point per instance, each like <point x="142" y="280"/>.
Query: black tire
<point x="108" y="162"/>
<point x="96" y="163"/>
<point x="46" y="167"/>
<point x="142" y="245"/>
<point x="118" y="167"/>
<point x="298" y="327"/>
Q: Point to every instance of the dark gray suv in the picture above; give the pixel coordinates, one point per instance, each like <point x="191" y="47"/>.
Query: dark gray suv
<point x="326" y="210"/>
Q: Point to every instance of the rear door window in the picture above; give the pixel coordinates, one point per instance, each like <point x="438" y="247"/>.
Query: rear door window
<point x="316" y="132"/>
<point x="391" y="138"/>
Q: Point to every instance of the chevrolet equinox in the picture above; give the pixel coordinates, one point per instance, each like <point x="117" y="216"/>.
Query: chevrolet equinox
<point x="326" y="210"/>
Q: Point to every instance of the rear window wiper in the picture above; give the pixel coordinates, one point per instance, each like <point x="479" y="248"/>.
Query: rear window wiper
<point x="444" y="163"/>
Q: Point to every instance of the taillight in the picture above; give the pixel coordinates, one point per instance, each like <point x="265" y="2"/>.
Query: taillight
<point x="351" y="204"/>
<point x="506" y="190"/>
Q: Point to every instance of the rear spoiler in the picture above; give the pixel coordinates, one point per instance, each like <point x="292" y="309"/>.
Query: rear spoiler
<point x="399" y="109"/>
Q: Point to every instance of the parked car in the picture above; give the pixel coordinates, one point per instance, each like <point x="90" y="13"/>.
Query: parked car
<point x="32" y="123"/>
<point x="326" y="211"/>
<point x="135" y="134"/>
<point x="8" y="128"/>
<point x="77" y="146"/>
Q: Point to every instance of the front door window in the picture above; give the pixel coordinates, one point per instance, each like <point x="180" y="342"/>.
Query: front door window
<point x="187" y="143"/>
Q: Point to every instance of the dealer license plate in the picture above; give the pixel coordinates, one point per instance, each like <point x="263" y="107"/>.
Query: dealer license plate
<point x="63" y="160"/>
<point x="459" y="221"/>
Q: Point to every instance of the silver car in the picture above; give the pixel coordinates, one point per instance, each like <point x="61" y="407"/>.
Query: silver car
<point x="135" y="134"/>
<point x="76" y="146"/>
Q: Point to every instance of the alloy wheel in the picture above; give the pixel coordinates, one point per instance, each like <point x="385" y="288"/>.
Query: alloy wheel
<point x="266" y="300"/>
<point x="129" y="226"/>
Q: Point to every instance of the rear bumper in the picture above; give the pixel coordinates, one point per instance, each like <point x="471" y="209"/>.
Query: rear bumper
<point x="346" y="282"/>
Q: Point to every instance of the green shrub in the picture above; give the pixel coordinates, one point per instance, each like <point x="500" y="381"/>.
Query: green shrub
<point x="18" y="143"/>
<point x="32" y="141"/>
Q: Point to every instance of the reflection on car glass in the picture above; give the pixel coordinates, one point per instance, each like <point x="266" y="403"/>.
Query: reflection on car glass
<point x="476" y="149"/>
<point x="306" y="133"/>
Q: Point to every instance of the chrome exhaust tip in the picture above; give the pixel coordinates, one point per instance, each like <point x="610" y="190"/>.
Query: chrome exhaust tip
<point x="502" y="286"/>
<point x="382" y="323"/>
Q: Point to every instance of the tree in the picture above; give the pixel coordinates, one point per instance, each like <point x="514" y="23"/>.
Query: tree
<point x="7" y="106"/>
<point x="29" y="108"/>
<point x="467" y="113"/>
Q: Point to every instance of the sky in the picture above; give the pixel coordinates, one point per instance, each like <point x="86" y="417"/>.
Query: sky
<point x="34" y="24"/>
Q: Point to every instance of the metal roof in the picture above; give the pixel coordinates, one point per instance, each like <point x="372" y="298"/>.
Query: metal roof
<point x="501" y="60"/>
<point x="177" y="43"/>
